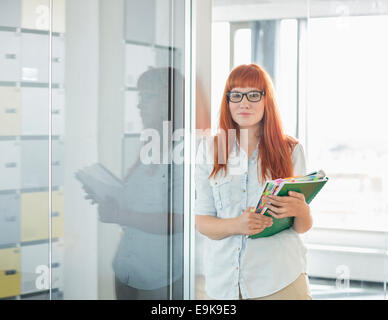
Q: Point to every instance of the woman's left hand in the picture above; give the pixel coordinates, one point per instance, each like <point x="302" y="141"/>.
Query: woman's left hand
<point x="293" y="205"/>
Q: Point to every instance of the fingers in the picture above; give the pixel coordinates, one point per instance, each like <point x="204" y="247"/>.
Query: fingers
<point x="258" y="227"/>
<point x="277" y="199"/>
<point x="258" y="217"/>
<point x="261" y="221"/>
<point x="276" y="209"/>
<point x="277" y="215"/>
<point x="297" y="195"/>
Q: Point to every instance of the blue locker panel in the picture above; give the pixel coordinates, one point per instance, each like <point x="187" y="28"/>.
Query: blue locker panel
<point x="35" y="106"/>
<point x="10" y="168"/>
<point x="58" y="112"/>
<point x="138" y="60"/>
<point x="140" y="17"/>
<point x="34" y="163"/>
<point x="55" y="295"/>
<point x="35" y="58"/>
<point x="162" y="57"/>
<point x="132" y="119"/>
<point x="9" y="219"/>
<point x="34" y="262"/>
<point x="10" y="56"/>
<point x="57" y="251"/>
<point x="58" y="59"/>
<point x="58" y="157"/>
<point x="10" y="13"/>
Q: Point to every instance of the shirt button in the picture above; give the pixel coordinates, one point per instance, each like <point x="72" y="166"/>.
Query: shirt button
<point x="238" y="249"/>
<point x="244" y="190"/>
<point x="236" y="268"/>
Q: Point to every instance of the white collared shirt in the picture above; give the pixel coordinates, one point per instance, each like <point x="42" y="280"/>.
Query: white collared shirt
<point x="261" y="266"/>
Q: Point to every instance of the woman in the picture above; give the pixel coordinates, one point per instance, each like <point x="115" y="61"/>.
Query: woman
<point x="238" y="267"/>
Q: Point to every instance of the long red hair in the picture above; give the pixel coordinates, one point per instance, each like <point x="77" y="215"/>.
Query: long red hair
<point x="275" y="148"/>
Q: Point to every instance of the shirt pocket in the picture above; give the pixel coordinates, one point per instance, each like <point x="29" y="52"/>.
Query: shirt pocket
<point x="221" y="192"/>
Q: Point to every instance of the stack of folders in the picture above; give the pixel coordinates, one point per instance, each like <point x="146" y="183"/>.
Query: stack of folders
<point x="309" y="185"/>
<point x="100" y="183"/>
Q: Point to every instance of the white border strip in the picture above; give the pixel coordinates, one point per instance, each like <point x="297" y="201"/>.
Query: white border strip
<point x="189" y="120"/>
<point x="171" y="177"/>
<point x="50" y="145"/>
<point x="191" y="134"/>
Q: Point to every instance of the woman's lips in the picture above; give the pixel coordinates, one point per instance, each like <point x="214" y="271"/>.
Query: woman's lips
<point x="244" y="114"/>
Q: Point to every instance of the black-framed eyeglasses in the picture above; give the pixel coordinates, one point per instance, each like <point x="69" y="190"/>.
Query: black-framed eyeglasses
<point x="252" y="96"/>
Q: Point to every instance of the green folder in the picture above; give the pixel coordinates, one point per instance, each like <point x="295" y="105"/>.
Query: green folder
<point x="309" y="188"/>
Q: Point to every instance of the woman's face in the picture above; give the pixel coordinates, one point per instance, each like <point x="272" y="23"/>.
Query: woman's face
<point x="246" y="113"/>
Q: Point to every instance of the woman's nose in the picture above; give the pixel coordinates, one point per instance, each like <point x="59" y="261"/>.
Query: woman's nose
<point x="244" y="102"/>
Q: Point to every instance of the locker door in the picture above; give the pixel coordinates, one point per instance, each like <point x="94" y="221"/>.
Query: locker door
<point x="35" y="15"/>
<point x="10" y="56"/>
<point x="59" y="16"/>
<point x="9" y="272"/>
<point x="10" y="111"/>
<point x="10" y="13"/>
<point x="34" y="163"/>
<point x="58" y="158"/>
<point x="57" y="265"/>
<point x="57" y="214"/>
<point x="35" y="58"/>
<point x="35" y="111"/>
<point x="34" y="216"/>
<point x="132" y="119"/>
<point x="140" y="20"/>
<point x="9" y="165"/>
<point x="33" y="257"/>
<point x="9" y="219"/>
<point x="58" y="59"/>
<point x="138" y="60"/>
<point x="58" y="112"/>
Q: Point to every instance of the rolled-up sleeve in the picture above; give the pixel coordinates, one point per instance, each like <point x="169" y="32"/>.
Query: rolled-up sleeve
<point x="299" y="160"/>
<point x="204" y="201"/>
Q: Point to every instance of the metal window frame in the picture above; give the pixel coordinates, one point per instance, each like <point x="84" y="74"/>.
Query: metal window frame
<point x="189" y="155"/>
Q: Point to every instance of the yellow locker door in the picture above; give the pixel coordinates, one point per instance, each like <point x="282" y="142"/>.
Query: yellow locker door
<point x="35" y="15"/>
<point x="34" y="216"/>
<point x="57" y="214"/>
<point x="10" y="111"/>
<point x="10" y="281"/>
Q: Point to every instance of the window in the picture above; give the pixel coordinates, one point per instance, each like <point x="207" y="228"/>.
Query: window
<point x="348" y="101"/>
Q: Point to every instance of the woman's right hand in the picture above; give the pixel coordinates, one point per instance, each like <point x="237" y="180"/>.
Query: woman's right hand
<point x="250" y="222"/>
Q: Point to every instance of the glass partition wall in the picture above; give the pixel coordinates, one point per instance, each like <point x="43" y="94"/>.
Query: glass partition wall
<point x="91" y="113"/>
<point x="95" y="103"/>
